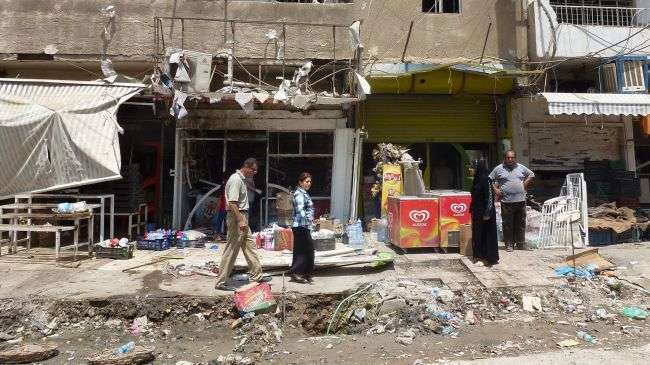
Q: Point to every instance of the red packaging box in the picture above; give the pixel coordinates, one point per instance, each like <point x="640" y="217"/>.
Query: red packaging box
<point x="254" y="297"/>
<point x="413" y="222"/>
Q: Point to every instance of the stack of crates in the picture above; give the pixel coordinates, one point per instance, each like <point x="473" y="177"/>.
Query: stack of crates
<point x="609" y="181"/>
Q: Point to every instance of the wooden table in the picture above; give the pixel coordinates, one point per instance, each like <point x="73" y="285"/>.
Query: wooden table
<point x="106" y="201"/>
<point x="14" y="227"/>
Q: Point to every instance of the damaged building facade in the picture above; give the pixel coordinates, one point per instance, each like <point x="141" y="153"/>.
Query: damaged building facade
<point x="587" y="108"/>
<point x="285" y="82"/>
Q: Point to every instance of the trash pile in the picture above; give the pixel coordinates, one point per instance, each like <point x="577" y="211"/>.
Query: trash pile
<point x="406" y="307"/>
<point x="259" y="334"/>
<point x="209" y="268"/>
<point x="410" y="308"/>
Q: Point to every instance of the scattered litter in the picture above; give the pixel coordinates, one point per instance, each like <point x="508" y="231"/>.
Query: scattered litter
<point x="585" y="336"/>
<point x="139" y="325"/>
<point x="406" y="337"/>
<point x="358" y="315"/>
<point x="126" y="348"/>
<point x="601" y="313"/>
<point x="568" y="343"/>
<point x="136" y="355"/>
<point x="634" y="313"/>
<point x="532" y="304"/>
<point x="233" y="359"/>
<point x="586" y="273"/>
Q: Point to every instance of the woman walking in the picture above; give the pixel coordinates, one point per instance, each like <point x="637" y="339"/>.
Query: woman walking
<point x="484" y="225"/>
<point x="302" y="264"/>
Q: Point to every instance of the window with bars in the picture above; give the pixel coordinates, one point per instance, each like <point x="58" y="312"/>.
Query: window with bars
<point x="619" y="13"/>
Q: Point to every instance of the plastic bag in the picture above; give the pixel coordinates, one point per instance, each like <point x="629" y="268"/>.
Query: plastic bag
<point x="354" y="234"/>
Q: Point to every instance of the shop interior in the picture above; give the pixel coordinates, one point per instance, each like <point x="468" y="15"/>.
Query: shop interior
<point x="210" y="157"/>
<point x="444" y="166"/>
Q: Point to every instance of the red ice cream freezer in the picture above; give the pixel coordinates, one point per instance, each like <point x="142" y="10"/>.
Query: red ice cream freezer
<point x="413" y="222"/>
<point x="454" y="212"/>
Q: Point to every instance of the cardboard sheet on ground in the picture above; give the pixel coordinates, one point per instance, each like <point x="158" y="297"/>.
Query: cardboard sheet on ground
<point x="587" y="258"/>
<point x="58" y="134"/>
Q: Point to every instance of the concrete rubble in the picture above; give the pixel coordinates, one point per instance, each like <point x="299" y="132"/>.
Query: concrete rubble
<point x="401" y="313"/>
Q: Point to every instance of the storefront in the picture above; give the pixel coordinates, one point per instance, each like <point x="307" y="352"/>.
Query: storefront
<point x="556" y="133"/>
<point x="447" y="116"/>
<point x="212" y="143"/>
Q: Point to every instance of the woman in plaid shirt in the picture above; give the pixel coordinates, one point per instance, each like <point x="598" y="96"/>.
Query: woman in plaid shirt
<point x="302" y="264"/>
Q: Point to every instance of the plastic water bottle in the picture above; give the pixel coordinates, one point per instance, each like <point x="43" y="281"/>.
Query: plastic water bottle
<point x="585" y="336"/>
<point x="127" y="347"/>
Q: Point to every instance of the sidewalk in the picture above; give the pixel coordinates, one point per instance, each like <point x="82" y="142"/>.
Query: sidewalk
<point x="103" y="278"/>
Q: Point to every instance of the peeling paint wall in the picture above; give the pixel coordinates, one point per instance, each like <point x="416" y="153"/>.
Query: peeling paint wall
<point x="74" y="27"/>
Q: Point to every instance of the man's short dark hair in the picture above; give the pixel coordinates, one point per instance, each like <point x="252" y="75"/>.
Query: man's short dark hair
<point x="250" y="162"/>
<point x="510" y="151"/>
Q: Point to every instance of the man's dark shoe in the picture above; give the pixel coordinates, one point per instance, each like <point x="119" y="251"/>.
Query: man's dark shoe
<point x="225" y="287"/>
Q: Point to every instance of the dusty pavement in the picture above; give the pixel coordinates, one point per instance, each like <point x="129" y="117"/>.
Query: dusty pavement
<point x="426" y="308"/>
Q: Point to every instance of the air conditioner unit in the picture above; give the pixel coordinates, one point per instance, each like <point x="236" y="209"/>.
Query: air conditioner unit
<point x="200" y="69"/>
<point x="633" y="79"/>
<point x="625" y="75"/>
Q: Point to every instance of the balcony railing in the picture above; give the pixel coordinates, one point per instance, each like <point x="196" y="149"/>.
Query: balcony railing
<point x="602" y="15"/>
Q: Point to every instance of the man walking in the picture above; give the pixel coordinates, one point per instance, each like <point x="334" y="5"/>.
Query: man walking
<point x="239" y="234"/>
<point x="510" y="182"/>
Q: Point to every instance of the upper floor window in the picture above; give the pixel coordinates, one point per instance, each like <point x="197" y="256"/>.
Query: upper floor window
<point x="441" y="6"/>
<point x="616" y="13"/>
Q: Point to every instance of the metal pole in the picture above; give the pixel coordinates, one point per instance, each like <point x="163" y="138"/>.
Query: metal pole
<point x="231" y="57"/>
<point x="334" y="62"/>
<point x="225" y="21"/>
<point x="480" y="62"/>
<point x="408" y="39"/>
<point x="178" y="180"/>
<point x="355" y="175"/>
<point x="284" y="47"/>
<point x="268" y="159"/>
<point x="182" y="33"/>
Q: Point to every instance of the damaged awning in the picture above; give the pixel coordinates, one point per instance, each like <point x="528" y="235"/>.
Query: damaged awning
<point x="598" y="104"/>
<point x="455" y="77"/>
<point x="57" y="134"/>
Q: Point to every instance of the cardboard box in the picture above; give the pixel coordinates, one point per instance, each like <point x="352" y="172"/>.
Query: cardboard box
<point x="466" y="246"/>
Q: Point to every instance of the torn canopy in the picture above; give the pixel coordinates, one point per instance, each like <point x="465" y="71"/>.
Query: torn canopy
<point x="58" y="134"/>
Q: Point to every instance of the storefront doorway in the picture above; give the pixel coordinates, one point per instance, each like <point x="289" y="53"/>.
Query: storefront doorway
<point x="210" y="157"/>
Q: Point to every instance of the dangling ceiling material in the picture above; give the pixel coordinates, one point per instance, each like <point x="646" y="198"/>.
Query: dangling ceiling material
<point x="58" y="134"/>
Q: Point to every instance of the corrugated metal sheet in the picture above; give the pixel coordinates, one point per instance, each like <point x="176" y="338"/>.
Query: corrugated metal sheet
<point x="600" y="104"/>
<point x="429" y="118"/>
<point x="57" y="134"/>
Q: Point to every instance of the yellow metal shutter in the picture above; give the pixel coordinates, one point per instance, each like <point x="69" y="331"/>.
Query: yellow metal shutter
<point x="429" y="118"/>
